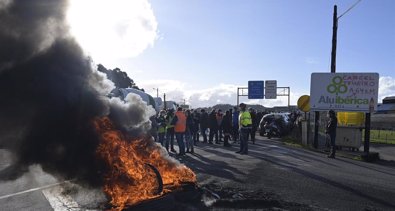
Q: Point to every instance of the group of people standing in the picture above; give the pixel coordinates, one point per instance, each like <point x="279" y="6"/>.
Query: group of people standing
<point x="186" y="126"/>
<point x="238" y="124"/>
<point x="177" y="125"/>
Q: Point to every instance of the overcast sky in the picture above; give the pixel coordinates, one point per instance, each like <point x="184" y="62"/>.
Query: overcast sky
<point x="200" y="51"/>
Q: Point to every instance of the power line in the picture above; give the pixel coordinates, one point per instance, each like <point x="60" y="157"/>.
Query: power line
<point x="355" y="4"/>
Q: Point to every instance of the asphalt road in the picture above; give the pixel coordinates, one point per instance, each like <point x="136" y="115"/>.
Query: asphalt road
<point x="272" y="176"/>
<point x="298" y="175"/>
<point x="386" y="151"/>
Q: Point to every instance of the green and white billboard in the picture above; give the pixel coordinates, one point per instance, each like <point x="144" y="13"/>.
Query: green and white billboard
<point x="344" y="91"/>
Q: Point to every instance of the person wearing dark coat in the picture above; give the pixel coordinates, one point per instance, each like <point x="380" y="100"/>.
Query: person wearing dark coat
<point x="331" y="131"/>
<point x="259" y="116"/>
<point x="235" y="125"/>
<point x="254" y="124"/>
<point x="195" y="130"/>
<point x="219" y="116"/>
<point x="213" y="125"/>
<point x="227" y="127"/>
<point x="203" y="120"/>
<point x="188" y="132"/>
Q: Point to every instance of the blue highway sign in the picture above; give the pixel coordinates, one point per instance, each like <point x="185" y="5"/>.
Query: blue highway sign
<point x="255" y="89"/>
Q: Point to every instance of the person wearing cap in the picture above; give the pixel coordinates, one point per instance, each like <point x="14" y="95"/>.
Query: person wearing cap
<point x="331" y="131"/>
<point x="245" y="125"/>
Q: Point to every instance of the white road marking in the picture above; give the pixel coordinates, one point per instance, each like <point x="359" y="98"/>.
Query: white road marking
<point x="60" y="201"/>
<point x="32" y="190"/>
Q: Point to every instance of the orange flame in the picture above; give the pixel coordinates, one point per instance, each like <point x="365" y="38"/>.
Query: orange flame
<point x="130" y="179"/>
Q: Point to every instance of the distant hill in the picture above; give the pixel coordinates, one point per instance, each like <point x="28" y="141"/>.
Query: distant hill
<point x="225" y="107"/>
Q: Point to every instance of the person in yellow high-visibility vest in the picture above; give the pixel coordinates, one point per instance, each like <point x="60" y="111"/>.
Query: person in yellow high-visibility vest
<point x="245" y="125"/>
<point x="170" y="131"/>
<point x="161" y="120"/>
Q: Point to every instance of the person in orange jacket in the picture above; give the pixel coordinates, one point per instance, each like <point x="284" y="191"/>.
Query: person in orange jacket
<point x="180" y="121"/>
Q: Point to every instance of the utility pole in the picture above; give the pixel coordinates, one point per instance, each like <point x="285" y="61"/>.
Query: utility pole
<point x="164" y="101"/>
<point x="333" y="70"/>
<point x="334" y="40"/>
<point x="237" y="102"/>
<point x="367" y="129"/>
<point x="157" y="92"/>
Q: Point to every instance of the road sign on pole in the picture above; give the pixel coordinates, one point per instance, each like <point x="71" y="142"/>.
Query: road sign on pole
<point x="255" y="89"/>
<point x="271" y="89"/>
<point x="304" y="103"/>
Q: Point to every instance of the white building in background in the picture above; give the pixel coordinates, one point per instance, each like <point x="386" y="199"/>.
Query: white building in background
<point x="387" y="107"/>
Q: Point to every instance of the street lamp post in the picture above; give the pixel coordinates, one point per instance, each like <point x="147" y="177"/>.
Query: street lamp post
<point x="157" y="92"/>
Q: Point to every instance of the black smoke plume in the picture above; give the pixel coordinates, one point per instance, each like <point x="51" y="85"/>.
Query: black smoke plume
<point x="49" y="92"/>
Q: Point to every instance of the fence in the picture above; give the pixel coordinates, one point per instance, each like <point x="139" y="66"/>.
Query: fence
<point x="382" y="136"/>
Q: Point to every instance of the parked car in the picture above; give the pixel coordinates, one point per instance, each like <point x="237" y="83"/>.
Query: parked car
<point x="277" y="124"/>
<point x="271" y="130"/>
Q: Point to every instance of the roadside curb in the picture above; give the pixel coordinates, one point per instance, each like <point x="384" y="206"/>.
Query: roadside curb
<point x="360" y="156"/>
<point x="354" y="155"/>
<point x="373" y="157"/>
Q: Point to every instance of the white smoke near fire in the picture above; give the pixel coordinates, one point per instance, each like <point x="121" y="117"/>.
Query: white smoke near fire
<point x="132" y="114"/>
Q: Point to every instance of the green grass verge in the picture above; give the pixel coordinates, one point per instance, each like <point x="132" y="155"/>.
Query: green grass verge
<point x="359" y="158"/>
<point x="381" y="136"/>
<point x="289" y="141"/>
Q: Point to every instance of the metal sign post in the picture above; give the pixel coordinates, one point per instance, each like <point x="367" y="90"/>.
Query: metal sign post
<point x="242" y="93"/>
<point x="281" y="91"/>
<point x="285" y="91"/>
